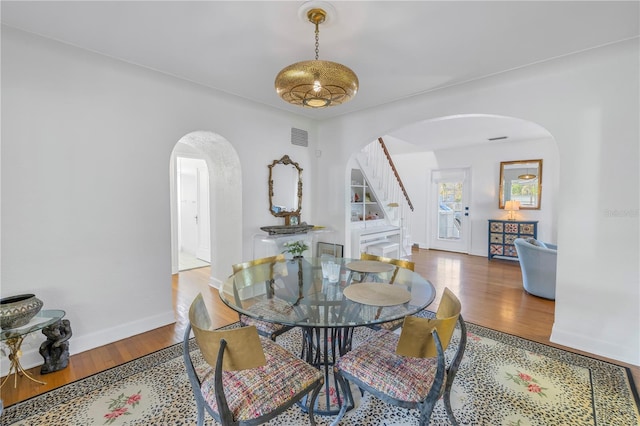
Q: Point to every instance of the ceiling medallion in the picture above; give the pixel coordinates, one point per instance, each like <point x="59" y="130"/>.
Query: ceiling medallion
<point x="316" y="83"/>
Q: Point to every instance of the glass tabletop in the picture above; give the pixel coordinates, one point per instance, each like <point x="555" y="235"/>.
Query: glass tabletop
<point x="42" y="319"/>
<point x="293" y="292"/>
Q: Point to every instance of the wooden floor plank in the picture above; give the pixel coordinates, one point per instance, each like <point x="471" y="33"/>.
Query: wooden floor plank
<point x="490" y="292"/>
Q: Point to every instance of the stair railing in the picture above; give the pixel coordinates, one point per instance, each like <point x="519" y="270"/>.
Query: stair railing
<point x="389" y="189"/>
<point x="395" y="173"/>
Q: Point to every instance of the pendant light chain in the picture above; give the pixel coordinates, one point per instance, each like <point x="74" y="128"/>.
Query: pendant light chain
<point x="317" y="40"/>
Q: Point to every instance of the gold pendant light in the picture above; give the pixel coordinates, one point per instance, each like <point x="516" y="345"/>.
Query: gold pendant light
<point x="316" y="84"/>
<point x="527" y="176"/>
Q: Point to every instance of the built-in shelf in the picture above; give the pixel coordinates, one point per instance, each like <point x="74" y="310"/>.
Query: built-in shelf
<point x="364" y="206"/>
<point x="370" y="231"/>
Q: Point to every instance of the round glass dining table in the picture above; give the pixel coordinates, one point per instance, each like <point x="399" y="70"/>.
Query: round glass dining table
<point x="293" y="292"/>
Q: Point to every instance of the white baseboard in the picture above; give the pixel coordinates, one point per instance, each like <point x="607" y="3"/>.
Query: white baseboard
<point x="425" y="246"/>
<point x="215" y="283"/>
<point x="585" y="343"/>
<point x="478" y="253"/>
<point x="30" y="348"/>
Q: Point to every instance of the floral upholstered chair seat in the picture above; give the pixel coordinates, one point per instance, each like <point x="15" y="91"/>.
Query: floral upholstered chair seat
<point x="409" y="370"/>
<point x="247" y="379"/>
<point x="274" y="309"/>
<point x="255" y="392"/>
<point x="376" y="363"/>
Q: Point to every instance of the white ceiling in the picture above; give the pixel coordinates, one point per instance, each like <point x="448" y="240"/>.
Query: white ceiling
<point x="398" y="49"/>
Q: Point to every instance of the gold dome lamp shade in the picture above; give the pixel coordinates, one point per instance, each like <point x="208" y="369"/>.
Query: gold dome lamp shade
<point x="316" y="83"/>
<point x="527" y="176"/>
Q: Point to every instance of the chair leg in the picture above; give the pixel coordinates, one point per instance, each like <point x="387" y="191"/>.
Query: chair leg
<point x="200" y="415"/>
<point x="344" y="384"/>
<point x="312" y="402"/>
<point x="453" y="369"/>
<point x="425" y="412"/>
<point x="447" y="406"/>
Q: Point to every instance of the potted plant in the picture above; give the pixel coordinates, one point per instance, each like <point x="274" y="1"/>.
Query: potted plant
<point x="295" y="248"/>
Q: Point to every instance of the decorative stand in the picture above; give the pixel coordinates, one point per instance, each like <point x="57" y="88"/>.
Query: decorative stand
<point x="14" y="344"/>
<point x="13" y="338"/>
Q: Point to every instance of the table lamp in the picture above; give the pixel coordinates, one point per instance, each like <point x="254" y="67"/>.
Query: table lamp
<point x="512" y="206"/>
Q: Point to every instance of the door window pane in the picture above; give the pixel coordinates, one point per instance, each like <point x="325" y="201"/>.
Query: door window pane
<point x="449" y="210"/>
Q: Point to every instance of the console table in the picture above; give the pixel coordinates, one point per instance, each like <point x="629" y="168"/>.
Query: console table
<point x="502" y="234"/>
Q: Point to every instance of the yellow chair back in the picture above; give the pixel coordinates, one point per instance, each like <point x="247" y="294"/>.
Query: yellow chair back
<point x="243" y="350"/>
<point x="271" y="259"/>
<point x="399" y="263"/>
<point x="407" y="264"/>
<point x="246" y="274"/>
<point x="416" y="339"/>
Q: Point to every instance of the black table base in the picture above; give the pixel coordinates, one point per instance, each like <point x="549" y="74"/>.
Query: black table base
<point x="321" y="346"/>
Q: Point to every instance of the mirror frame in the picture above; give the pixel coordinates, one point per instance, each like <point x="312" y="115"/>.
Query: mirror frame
<point x="285" y="160"/>
<point x="503" y="165"/>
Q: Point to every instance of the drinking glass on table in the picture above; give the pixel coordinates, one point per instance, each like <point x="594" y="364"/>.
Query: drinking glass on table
<point x="333" y="272"/>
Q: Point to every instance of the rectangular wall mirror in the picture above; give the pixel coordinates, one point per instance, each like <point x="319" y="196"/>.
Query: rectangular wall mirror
<point x="521" y="181"/>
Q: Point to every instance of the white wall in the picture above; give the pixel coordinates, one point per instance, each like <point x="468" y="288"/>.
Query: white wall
<point x="589" y="103"/>
<point x="86" y="146"/>
<point x="86" y="143"/>
<point x="483" y="162"/>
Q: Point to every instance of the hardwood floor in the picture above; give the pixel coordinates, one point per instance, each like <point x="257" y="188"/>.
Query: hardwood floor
<point x="490" y="291"/>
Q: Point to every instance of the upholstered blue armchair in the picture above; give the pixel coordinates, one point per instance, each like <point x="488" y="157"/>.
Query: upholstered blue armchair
<point x="538" y="262"/>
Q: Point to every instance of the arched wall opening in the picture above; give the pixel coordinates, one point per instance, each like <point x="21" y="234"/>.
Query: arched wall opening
<point x="225" y="200"/>
<point x="462" y="141"/>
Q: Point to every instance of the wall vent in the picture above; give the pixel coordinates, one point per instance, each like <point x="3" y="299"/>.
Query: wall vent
<point x="299" y="137"/>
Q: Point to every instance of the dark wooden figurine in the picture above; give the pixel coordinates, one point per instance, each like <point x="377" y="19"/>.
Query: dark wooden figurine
<point x="55" y="350"/>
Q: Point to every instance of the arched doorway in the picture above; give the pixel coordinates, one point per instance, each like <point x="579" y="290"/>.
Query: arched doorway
<point x="424" y="150"/>
<point x="225" y="200"/>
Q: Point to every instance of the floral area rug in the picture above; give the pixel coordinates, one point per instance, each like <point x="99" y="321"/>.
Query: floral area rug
<point x="503" y="381"/>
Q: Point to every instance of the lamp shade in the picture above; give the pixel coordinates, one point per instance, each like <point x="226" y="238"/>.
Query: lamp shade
<point x="512" y="205"/>
<point x="527" y="176"/>
<point x="316" y="84"/>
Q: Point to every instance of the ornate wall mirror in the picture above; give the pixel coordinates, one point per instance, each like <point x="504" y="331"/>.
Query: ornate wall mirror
<point x="285" y="189"/>
<point x="521" y="181"/>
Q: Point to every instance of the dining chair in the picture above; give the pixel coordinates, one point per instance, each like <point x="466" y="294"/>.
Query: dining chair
<point x="265" y="328"/>
<point x="409" y="370"/>
<point x="248" y="379"/>
<point x="398" y="263"/>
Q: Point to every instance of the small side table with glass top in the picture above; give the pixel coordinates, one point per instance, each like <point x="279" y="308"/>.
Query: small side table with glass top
<point x="13" y="338"/>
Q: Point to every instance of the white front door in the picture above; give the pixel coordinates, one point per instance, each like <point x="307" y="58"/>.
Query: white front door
<point x="450" y="224"/>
